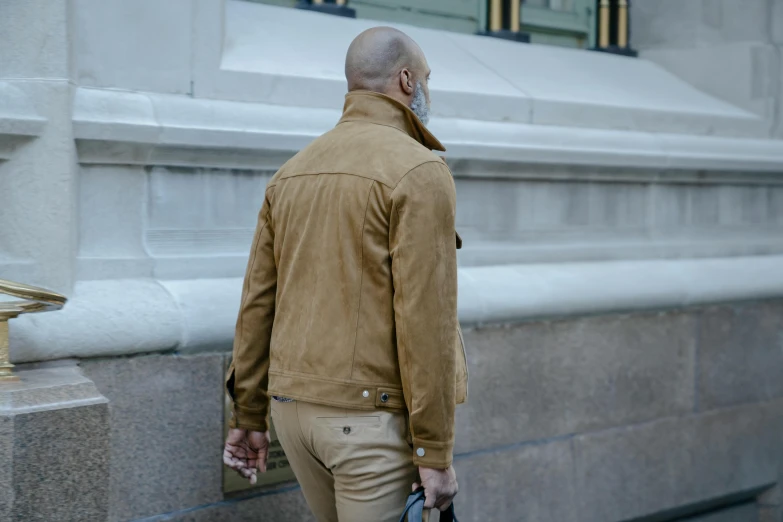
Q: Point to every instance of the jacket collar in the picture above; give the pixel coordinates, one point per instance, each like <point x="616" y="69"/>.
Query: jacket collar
<point x="373" y="107"/>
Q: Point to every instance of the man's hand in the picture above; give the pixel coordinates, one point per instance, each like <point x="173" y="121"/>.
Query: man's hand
<point x="440" y="487"/>
<point x="246" y="452"/>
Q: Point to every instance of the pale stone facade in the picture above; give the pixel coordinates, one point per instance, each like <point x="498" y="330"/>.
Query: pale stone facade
<point x="623" y="226"/>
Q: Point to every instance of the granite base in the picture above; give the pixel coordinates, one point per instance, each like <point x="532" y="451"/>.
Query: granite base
<point x="54" y="447"/>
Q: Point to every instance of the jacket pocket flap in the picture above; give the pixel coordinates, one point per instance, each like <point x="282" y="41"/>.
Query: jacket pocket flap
<point x="386" y="398"/>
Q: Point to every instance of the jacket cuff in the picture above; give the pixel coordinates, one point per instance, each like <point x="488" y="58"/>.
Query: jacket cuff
<point x="248" y="419"/>
<point x="435" y="455"/>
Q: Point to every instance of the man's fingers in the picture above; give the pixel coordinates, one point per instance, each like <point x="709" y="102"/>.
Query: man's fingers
<point x="415" y="486"/>
<point x="262" y="458"/>
<point x="232" y="460"/>
<point x="262" y="452"/>
<point x="247" y="453"/>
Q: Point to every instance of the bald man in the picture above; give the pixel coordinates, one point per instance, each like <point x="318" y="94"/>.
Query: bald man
<point x="348" y="321"/>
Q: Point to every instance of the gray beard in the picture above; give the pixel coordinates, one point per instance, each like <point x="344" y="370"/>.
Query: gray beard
<point x="419" y="104"/>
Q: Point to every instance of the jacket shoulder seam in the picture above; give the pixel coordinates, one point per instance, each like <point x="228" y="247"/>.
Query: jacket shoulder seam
<point x="397" y="185"/>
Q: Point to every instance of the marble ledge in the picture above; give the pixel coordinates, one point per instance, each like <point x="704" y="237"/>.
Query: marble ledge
<point x="119" y="317"/>
<point x="115" y="127"/>
<point x="46" y="388"/>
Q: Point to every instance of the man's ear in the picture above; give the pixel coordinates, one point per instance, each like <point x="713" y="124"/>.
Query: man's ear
<point x="406" y="81"/>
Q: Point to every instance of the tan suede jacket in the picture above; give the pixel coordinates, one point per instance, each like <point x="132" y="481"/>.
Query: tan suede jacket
<point x="350" y="297"/>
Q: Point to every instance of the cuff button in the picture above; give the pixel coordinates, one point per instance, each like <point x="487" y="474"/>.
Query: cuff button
<point x="420" y="452"/>
<point x="384" y="397"/>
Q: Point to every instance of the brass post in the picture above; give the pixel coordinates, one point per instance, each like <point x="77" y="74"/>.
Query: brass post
<point x="6" y="368"/>
<point x="35" y="300"/>
<point x="515" y="15"/>
<point x="622" y="24"/>
<point x="603" y="24"/>
<point x="495" y="15"/>
<point x="318" y="1"/>
<point x="340" y="2"/>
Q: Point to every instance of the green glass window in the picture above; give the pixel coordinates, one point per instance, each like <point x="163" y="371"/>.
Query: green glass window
<point x="560" y="22"/>
<point x="568" y="23"/>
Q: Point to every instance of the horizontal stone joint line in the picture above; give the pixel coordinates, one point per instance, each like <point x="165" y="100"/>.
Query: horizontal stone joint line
<point x="626" y="427"/>
<point x="516" y="445"/>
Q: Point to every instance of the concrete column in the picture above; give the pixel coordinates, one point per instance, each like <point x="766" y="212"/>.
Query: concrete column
<point x="38" y="225"/>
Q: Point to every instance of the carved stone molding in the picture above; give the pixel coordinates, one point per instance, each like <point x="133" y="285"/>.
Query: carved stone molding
<point x="19" y="121"/>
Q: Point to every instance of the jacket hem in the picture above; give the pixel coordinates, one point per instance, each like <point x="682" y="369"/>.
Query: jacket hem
<point x="359" y="396"/>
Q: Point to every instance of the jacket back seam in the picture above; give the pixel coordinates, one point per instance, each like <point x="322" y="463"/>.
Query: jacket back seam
<point x="361" y="280"/>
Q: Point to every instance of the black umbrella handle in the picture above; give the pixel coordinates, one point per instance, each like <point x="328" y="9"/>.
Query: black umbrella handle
<point x="414" y="508"/>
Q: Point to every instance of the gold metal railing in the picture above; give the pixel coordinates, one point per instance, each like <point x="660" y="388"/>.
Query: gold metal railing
<point x="613" y="27"/>
<point x="33" y="300"/>
<point x="335" y="7"/>
<point x="603" y="23"/>
<point x="504" y="20"/>
<point x="622" y="24"/>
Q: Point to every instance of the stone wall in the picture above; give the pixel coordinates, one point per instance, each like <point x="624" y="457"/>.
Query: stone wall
<point x="732" y="49"/>
<point x="130" y="172"/>
<point x="587" y="183"/>
<point x="657" y="416"/>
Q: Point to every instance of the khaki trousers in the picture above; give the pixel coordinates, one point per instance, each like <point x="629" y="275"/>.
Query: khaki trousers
<point x="353" y="466"/>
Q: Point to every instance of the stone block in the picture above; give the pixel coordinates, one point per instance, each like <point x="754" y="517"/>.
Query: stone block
<point x="54" y="447"/>
<point x="111" y="212"/>
<point x="770" y="514"/>
<point x="6" y="471"/>
<point x="748" y="512"/>
<point x="739" y="73"/>
<point x="544" y="379"/>
<point x="771" y="504"/>
<point x="34" y="36"/>
<point x="691" y="23"/>
<point x="672" y="463"/>
<point x="740" y="355"/>
<point x="167" y="431"/>
<point x="776" y="10"/>
<point x="158" y="62"/>
<point x="61" y="458"/>
<point x="286" y="505"/>
<point x="531" y="482"/>
<point x="667" y="23"/>
<point x="772" y="497"/>
<point x="777" y="129"/>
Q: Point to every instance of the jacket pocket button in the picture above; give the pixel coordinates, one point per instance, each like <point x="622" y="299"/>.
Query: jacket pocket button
<point x="347" y="430"/>
<point x="384" y="397"/>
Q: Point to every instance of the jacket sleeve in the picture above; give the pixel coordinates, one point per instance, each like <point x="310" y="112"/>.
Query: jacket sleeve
<point x="248" y="376"/>
<point x="424" y="270"/>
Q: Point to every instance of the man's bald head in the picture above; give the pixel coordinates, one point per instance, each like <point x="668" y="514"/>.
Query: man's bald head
<point x="388" y="61"/>
<point x="377" y="55"/>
